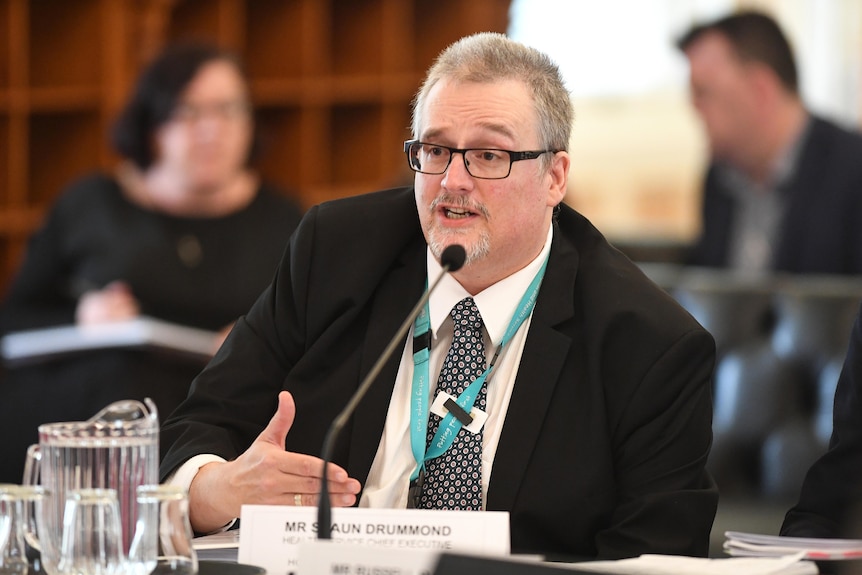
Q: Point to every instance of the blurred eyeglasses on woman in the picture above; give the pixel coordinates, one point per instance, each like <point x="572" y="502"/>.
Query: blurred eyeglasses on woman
<point x="227" y="110"/>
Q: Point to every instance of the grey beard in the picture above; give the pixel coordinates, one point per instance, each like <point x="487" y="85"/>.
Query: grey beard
<point x="475" y="251"/>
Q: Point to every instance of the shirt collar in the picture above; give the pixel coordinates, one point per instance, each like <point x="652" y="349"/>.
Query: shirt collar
<point x="787" y="161"/>
<point x="496" y="303"/>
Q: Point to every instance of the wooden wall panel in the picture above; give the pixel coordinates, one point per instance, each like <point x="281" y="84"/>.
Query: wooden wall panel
<point x="328" y="77"/>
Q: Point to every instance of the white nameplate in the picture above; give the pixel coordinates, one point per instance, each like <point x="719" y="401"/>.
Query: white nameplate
<point x="328" y="557"/>
<point x="270" y="534"/>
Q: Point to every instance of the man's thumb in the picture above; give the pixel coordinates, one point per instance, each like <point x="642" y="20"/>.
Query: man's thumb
<point x="276" y="431"/>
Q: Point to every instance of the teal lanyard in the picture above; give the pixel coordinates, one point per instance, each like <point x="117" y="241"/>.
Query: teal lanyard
<point x="450" y="426"/>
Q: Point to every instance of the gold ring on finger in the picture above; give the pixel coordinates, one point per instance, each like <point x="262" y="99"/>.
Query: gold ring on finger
<point x="297" y="500"/>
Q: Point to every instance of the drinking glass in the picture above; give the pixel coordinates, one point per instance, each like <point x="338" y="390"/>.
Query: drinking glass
<point x="92" y="540"/>
<point x="163" y="535"/>
<point x="17" y="520"/>
<point x="7" y="511"/>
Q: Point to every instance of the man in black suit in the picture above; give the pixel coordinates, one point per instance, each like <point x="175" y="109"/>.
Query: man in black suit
<point x="830" y="503"/>
<point x="598" y="406"/>
<point x="784" y="188"/>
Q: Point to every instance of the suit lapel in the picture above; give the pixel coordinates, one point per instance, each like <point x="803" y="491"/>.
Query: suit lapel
<point x="545" y="352"/>
<point x="797" y="194"/>
<point x="398" y="292"/>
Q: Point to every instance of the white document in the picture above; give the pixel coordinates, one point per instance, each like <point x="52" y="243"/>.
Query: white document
<point x="221" y="540"/>
<point x="757" y="545"/>
<point x="678" y="565"/>
<point x="222" y="546"/>
<point x="140" y="332"/>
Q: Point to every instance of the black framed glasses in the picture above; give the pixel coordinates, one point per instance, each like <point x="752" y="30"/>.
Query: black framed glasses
<point x="483" y="163"/>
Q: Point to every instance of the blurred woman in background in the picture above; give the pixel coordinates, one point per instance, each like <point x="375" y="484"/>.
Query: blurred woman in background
<point x="182" y="231"/>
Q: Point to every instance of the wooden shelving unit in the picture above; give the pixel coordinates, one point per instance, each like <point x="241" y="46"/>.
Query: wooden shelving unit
<point x="329" y="77"/>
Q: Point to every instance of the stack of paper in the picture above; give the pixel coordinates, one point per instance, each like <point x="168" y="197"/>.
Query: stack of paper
<point x="756" y="545"/>
<point x="677" y="565"/>
<point x="222" y="546"/>
<point x="37" y="344"/>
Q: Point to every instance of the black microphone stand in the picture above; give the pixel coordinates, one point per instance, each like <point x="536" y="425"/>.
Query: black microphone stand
<point x="451" y="259"/>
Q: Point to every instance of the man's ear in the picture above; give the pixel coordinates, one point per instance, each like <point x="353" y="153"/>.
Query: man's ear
<point x="558" y="178"/>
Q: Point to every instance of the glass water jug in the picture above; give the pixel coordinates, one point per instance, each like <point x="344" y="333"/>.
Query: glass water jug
<point x="115" y="449"/>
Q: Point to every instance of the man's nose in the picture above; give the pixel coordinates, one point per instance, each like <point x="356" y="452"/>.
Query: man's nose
<point x="457" y="174"/>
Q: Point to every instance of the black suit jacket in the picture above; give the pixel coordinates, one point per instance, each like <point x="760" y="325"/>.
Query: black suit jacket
<point x="830" y="502"/>
<point x="603" y="449"/>
<point x="821" y="231"/>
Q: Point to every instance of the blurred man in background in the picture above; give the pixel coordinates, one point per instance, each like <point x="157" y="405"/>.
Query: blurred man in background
<point x="783" y="191"/>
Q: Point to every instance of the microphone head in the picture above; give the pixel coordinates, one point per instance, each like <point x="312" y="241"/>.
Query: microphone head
<point x="453" y="257"/>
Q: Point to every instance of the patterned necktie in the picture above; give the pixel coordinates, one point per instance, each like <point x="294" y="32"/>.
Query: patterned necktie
<point x="454" y="480"/>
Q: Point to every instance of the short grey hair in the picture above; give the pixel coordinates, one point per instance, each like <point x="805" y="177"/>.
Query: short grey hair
<point x="489" y="57"/>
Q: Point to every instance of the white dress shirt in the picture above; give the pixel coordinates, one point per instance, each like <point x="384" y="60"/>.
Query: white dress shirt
<point x="388" y="480"/>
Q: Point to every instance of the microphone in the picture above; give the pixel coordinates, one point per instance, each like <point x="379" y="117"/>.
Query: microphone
<point x="451" y="260"/>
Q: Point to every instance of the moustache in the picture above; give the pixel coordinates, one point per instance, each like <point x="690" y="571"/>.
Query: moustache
<point x="460" y="202"/>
